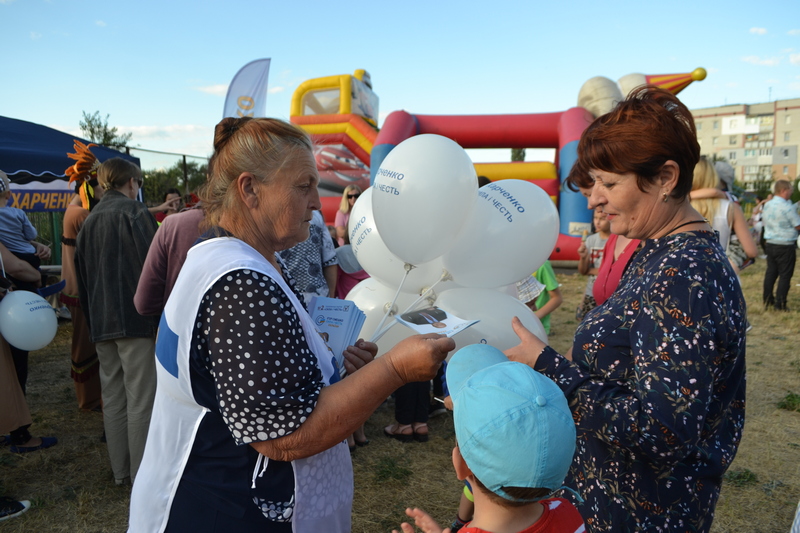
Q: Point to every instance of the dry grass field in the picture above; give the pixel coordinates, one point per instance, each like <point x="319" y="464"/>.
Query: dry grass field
<point x="72" y="490"/>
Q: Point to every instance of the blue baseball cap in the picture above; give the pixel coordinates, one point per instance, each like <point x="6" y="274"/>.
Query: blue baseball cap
<point x="513" y="425"/>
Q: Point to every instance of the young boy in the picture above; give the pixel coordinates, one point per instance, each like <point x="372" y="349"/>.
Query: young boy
<point x="515" y="440"/>
<point x="16" y="231"/>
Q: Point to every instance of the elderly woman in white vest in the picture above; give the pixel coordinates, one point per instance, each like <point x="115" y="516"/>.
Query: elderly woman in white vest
<point x="250" y="419"/>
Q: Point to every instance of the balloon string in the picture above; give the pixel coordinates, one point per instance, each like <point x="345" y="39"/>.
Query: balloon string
<point x="378" y="333"/>
<point x="444" y="277"/>
<point x="384" y="331"/>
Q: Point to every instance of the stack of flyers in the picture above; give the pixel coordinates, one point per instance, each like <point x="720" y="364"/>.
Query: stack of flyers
<point x="434" y="320"/>
<point x="339" y="323"/>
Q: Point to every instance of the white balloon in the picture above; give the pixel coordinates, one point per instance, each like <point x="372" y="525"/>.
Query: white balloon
<point x="511" y="233"/>
<point x="495" y="310"/>
<point x="27" y="321"/>
<point x="375" y="257"/>
<point x="510" y="289"/>
<point x="424" y="191"/>
<point x="373" y="298"/>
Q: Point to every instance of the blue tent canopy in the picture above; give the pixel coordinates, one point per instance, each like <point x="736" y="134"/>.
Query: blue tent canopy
<point x="32" y="152"/>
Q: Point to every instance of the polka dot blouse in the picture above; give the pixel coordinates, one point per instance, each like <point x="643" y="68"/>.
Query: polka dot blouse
<point x="249" y="337"/>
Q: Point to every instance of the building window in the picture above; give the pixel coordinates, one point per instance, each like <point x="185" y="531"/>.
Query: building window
<point x="785" y="170"/>
<point x="787" y="136"/>
<point x="788" y="119"/>
<point x="716" y="124"/>
<point x="732" y="156"/>
<point x="714" y="140"/>
<point x="698" y="125"/>
<point x="734" y="123"/>
<point x="785" y="152"/>
<point x="732" y="140"/>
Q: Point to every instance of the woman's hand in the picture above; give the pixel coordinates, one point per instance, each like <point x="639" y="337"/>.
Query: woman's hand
<point x="360" y="354"/>
<point x="418" y="358"/>
<point x="529" y="348"/>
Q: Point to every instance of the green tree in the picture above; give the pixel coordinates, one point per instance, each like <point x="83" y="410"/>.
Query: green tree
<point x="762" y="185"/>
<point x="97" y="130"/>
<point x="157" y="182"/>
<point x="518" y="154"/>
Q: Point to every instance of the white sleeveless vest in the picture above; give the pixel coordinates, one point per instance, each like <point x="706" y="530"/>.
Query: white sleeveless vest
<point x="323" y="483"/>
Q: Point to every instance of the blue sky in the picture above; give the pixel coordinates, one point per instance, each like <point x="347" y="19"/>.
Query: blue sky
<point x="161" y="69"/>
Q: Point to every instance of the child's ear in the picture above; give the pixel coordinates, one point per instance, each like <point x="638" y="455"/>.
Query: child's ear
<point x="460" y="465"/>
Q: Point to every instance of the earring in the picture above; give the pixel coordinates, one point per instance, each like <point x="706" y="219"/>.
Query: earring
<point x="665" y="198"/>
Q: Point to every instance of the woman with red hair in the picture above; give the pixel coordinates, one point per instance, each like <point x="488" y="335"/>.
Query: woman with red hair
<point x="656" y="383"/>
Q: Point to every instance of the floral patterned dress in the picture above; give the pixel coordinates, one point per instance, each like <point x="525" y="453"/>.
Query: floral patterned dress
<point x="657" y="389"/>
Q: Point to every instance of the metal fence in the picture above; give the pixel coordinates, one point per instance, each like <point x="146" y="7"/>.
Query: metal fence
<point x="49" y="225"/>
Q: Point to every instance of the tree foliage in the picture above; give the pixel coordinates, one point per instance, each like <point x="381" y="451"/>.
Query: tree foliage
<point x="518" y="154"/>
<point x="157" y="182"/>
<point x="96" y="129"/>
<point x="762" y="185"/>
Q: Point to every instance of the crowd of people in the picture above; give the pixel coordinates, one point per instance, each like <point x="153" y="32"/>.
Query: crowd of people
<point x="225" y="411"/>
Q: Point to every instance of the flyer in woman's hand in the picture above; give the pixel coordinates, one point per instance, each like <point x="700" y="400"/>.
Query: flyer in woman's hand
<point x="338" y="322"/>
<point x="434" y="320"/>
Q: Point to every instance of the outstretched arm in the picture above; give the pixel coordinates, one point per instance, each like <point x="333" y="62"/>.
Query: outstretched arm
<point x="422" y="520"/>
<point x="346" y="405"/>
<point x="704" y="194"/>
<point x="18" y="268"/>
<point x="166" y="206"/>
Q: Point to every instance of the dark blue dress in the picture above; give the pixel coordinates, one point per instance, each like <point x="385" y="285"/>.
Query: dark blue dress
<point x="657" y="389"/>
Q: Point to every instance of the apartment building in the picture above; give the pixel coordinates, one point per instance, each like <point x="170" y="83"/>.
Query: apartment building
<point x="757" y="139"/>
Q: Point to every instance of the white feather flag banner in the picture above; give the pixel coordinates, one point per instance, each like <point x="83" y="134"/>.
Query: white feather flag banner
<point x="247" y="94"/>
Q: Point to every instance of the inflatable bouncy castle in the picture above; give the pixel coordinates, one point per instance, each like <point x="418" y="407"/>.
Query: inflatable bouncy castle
<point x="340" y="113"/>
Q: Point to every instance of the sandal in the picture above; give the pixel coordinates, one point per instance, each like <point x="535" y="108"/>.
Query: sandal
<point x="401" y="432"/>
<point x="421" y="436"/>
<point x="46" y="442"/>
